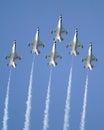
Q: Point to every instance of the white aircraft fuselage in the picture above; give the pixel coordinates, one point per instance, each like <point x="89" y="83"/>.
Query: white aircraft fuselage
<point x="52" y="61"/>
<point x="75" y="42"/>
<point x="12" y="59"/>
<point x="59" y="28"/>
<point x="35" y="47"/>
<point x="89" y="57"/>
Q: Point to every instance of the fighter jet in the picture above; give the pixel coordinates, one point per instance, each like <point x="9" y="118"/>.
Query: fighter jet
<point x="13" y="56"/>
<point x="59" y="30"/>
<point x="53" y="55"/>
<point x="36" y="43"/>
<point x="89" y="58"/>
<point x="75" y="44"/>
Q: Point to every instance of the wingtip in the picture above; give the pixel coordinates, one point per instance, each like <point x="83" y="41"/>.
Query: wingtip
<point x="82" y="60"/>
<point x="45" y="57"/>
<point x="52" y="32"/>
<point x="6" y="57"/>
<point x="82" y="46"/>
<point x="67" y="46"/>
<point x="28" y="44"/>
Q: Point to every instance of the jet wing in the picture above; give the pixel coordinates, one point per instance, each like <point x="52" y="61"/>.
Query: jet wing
<point x="31" y="44"/>
<point x="40" y="44"/>
<point x="54" y="31"/>
<point x="63" y="31"/>
<point x="17" y="57"/>
<point x="57" y="55"/>
<point x="79" y="45"/>
<point x="8" y="56"/>
<point x="69" y="45"/>
<point x="49" y="55"/>
<point x="93" y="58"/>
<point x="85" y="59"/>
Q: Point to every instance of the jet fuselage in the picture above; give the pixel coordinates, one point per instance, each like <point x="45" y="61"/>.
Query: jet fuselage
<point x="36" y="41"/>
<point x="12" y="58"/>
<point x="89" y="57"/>
<point x="52" y="61"/>
<point x="75" y="42"/>
<point x="59" y="28"/>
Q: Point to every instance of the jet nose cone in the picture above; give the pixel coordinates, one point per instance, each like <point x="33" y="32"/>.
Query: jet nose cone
<point x="76" y="29"/>
<point x="60" y="16"/>
<point x="14" y="42"/>
<point x="90" y="44"/>
<point x="37" y="28"/>
<point x="54" y="41"/>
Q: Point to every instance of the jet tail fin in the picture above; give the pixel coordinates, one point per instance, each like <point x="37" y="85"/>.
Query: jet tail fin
<point x="13" y="65"/>
<point x="53" y="64"/>
<point x="74" y="53"/>
<point x="58" y="38"/>
<point x="88" y="66"/>
<point x="37" y="52"/>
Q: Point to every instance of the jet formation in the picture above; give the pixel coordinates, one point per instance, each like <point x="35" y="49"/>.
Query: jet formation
<point x="53" y="55"/>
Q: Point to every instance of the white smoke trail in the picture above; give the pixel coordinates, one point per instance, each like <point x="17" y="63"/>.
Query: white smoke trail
<point x="47" y="103"/>
<point x="82" y="123"/>
<point x="29" y="100"/>
<point x="5" y="117"/>
<point x="67" y="105"/>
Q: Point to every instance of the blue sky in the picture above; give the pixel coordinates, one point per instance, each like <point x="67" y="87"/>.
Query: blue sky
<point x="19" y="20"/>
